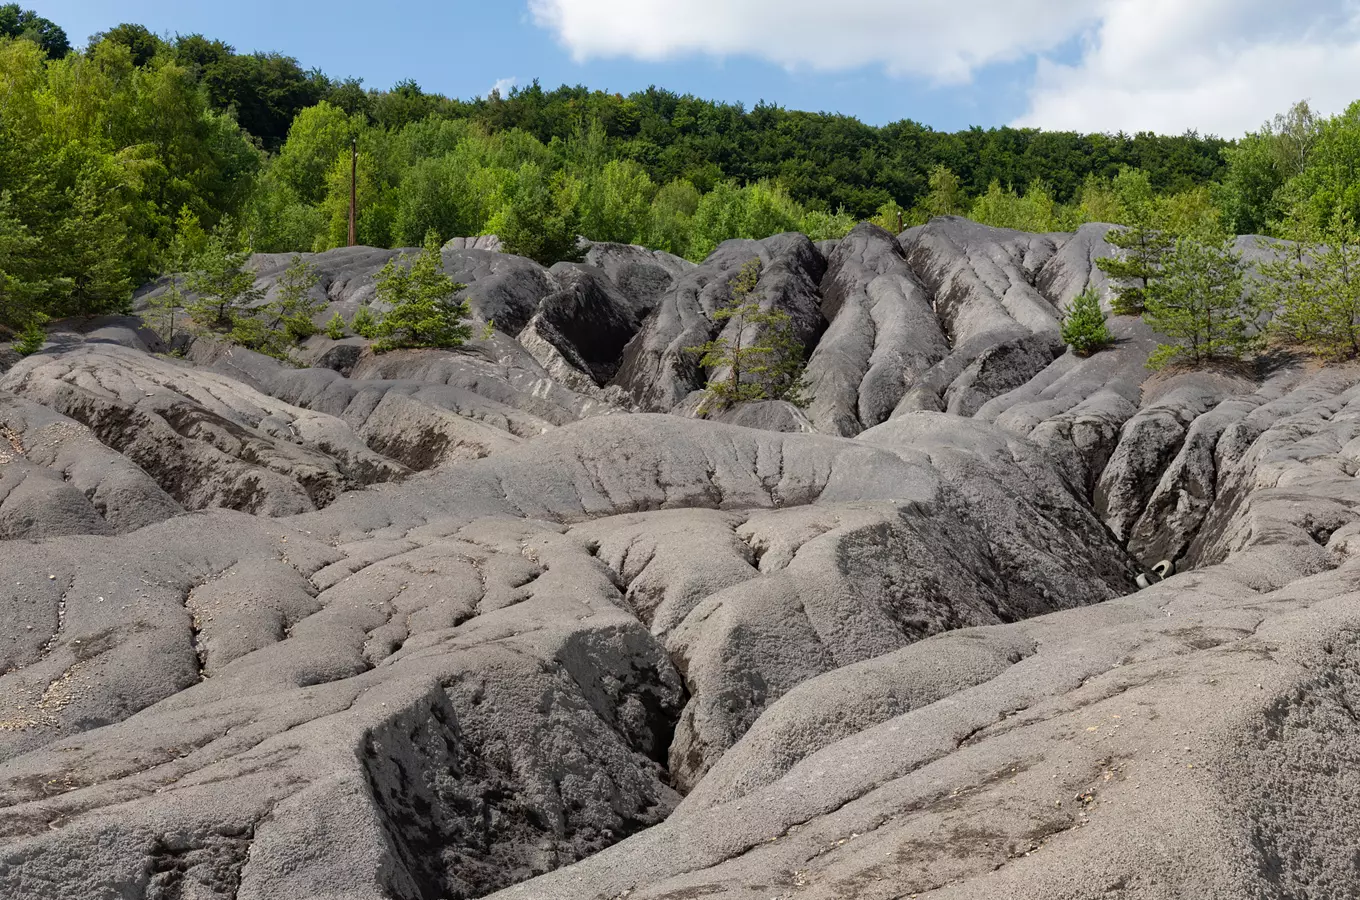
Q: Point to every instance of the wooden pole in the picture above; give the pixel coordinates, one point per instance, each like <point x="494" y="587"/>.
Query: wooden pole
<point x="354" y="192"/>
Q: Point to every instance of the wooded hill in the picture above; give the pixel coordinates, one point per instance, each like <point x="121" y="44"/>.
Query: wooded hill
<point x="108" y="153"/>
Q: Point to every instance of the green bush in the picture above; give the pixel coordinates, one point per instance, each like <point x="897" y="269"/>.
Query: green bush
<point x="365" y="323"/>
<point x="335" y="328"/>
<point x="423" y="310"/>
<point x="1084" y="328"/>
<point x="31" y="339"/>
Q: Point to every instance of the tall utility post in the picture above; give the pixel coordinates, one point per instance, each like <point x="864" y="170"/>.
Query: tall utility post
<point x="354" y="192"/>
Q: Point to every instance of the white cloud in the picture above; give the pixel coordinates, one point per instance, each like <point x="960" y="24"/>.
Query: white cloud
<point x="1218" y="66"/>
<point x="503" y="87"/>
<point x="944" y="40"/>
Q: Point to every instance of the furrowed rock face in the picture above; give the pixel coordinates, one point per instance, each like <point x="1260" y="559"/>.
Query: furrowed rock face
<point x="509" y="621"/>
<point x="658" y="369"/>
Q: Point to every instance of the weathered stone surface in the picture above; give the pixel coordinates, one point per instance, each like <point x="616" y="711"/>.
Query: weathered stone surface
<point x="488" y="242"/>
<point x="471" y="627"/>
<point x="588" y="320"/>
<point x="642" y="275"/>
<point x="658" y="372"/>
<point x="883" y="334"/>
<point x="1150" y="441"/>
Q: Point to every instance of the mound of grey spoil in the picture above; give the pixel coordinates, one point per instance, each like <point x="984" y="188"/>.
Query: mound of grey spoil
<point x="513" y="621"/>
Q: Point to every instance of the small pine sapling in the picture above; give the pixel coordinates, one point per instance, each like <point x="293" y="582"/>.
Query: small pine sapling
<point x="365" y="323"/>
<point x="1084" y="328"/>
<point x="423" y="310"/>
<point x="31" y="339"/>
<point x="224" y="288"/>
<point x="285" y="321"/>
<point x="765" y="366"/>
<point x="1199" y="302"/>
<point x="335" y="328"/>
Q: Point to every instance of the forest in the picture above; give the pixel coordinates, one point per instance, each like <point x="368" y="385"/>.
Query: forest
<point x="118" y="159"/>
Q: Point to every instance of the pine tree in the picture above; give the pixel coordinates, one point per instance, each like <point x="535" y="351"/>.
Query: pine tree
<point x="224" y="288"/>
<point x="1199" y="302"/>
<point x="1315" y="291"/>
<point x="163" y="309"/>
<point x="335" y="328"/>
<point x="94" y="245"/>
<point x="287" y="319"/>
<point x="20" y="290"/>
<point x="423" y="310"/>
<point x="365" y="323"/>
<point x="767" y="367"/>
<point x="1143" y="243"/>
<point x="31" y="339"/>
<point x="1290" y="286"/>
<point x="1084" y="327"/>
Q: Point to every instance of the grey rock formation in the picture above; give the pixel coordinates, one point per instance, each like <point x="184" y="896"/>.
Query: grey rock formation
<point x="658" y="372"/>
<point x="488" y="242"/>
<point x="883" y="334"/>
<point x="437" y="624"/>
<point x="589" y="321"/>
<point x="642" y="275"/>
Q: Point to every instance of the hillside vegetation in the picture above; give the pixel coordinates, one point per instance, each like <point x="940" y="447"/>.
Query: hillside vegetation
<point x="113" y="156"/>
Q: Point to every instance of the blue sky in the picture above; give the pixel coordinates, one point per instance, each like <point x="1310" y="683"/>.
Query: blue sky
<point x="1220" y="66"/>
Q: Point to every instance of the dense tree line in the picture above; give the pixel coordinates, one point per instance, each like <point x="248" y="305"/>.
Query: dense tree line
<point x="144" y="153"/>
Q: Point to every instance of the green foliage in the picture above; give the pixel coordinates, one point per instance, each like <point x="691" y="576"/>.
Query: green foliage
<point x="27" y="25"/>
<point x="826" y="226"/>
<point x="1315" y="293"/>
<point x="365" y="323"/>
<point x="541" y="220"/>
<point x="97" y="159"/>
<point x="1035" y="211"/>
<point x="31" y="339"/>
<point x="767" y="365"/>
<point x="616" y="204"/>
<point x="1326" y="184"/>
<point x="946" y="196"/>
<point x="489" y="330"/>
<point x="423" y="310"/>
<point x="756" y="211"/>
<point x="891" y="217"/>
<point x="180" y="258"/>
<point x="286" y="320"/>
<point x="223" y="288"/>
<point x="266" y="91"/>
<point x="672" y="215"/>
<point x="1084" y="328"/>
<point x="95" y="247"/>
<point x="1144" y="244"/>
<point x="1199" y="302"/>
<point x="1253" y="192"/>
<point x="19" y="295"/>
<point x="335" y="328"/>
<point x="138" y="39"/>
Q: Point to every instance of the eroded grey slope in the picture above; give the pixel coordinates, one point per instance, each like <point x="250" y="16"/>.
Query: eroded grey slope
<point x="436" y="624"/>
